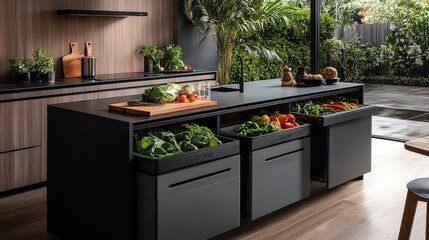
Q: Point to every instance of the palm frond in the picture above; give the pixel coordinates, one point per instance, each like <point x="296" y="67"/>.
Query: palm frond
<point x="255" y="49"/>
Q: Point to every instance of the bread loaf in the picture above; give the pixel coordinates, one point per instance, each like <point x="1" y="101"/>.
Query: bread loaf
<point x="313" y="77"/>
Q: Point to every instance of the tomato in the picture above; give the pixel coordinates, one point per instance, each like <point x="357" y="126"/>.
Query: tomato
<point x="265" y="119"/>
<point x="275" y="120"/>
<point x="295" y="124"/>
<point x="192" y="99"/>
<point x="193" y="95"/>
<point x="182" y="98"/>
<point x="291" y="118"/>
<point x="287" y="125"/>
<point x="283" y="118"/>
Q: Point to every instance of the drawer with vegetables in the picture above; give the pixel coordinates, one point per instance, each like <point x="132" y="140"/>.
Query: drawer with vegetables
<point x="265" y="131"/>
<point x="275" y="162"/>
<point x="330" y="111"/>
<point x="338" y="125"/>
<point x="163" y="150"/>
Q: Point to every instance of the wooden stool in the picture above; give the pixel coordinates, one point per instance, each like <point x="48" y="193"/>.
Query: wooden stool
<point x="418" y="190"/>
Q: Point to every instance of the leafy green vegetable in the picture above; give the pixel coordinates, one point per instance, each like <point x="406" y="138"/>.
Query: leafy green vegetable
<point x="250" y="128"/>
<point x="161" y="94"/>
<point x="145" y="144"/>
<point x="175" y="64"/>
<point x="187" y="146"/>
<point x="186" y="137"/>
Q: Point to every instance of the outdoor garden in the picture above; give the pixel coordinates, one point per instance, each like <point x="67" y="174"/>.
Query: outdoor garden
<point x="372" y="41"/>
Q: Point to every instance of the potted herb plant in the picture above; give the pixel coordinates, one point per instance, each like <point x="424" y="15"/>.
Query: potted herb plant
<point x="21" y="68"/>
<point x="43" y="66"/>
<point x="152" y="54"/>
<point x="156" y="56"/>
<point x="172" y="57"/>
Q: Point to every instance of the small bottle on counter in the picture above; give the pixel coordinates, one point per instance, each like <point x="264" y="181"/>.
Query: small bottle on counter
<point x="287" y="78"/>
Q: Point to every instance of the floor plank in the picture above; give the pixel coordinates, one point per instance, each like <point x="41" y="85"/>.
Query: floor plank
<point x="360" y="209"/>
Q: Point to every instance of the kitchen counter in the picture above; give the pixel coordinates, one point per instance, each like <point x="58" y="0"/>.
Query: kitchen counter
<point x="100" y="80"/>
<point x="257" y="94"/>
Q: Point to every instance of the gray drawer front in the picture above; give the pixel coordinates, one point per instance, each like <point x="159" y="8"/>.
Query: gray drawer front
<point x="280" y="175"/>
<point x="193" y="203"/>
<point x="201" y="214"/>
<point x="349" y="150"/>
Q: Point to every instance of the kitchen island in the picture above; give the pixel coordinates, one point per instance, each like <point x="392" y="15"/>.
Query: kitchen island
<point x="99" y="188"/>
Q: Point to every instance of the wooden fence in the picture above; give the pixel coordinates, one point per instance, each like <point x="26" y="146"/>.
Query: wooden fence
<point x="374" y="34"/>
<point x="367" y="33"/>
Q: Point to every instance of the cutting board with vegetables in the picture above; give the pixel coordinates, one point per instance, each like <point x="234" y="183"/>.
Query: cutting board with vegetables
<point x="158" y="109"/>
<point x="72" y="62"/>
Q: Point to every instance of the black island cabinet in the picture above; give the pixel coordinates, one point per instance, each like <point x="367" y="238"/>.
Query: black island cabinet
<point x="99" y="187"/>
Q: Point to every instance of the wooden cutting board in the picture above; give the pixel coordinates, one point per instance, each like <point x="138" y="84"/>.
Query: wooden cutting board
<point x="72" y="62"/>
<point x="152" y="110"/>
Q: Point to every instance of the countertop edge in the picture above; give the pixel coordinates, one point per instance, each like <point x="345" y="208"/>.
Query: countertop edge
<point x="14" y="88"/>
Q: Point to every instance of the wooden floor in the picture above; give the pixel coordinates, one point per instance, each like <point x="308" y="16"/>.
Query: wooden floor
<point x="361" y="209"/>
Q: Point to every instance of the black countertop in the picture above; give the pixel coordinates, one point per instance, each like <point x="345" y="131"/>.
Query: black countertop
<point x="100" y="79"/>
<point x="256" y="94"/>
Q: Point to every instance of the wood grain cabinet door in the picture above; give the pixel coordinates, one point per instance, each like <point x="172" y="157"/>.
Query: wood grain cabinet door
<point x="20" y="125"/>
<point x="20" y="168"/>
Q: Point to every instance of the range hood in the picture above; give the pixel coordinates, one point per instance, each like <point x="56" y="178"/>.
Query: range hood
<point x="100" y="13"/>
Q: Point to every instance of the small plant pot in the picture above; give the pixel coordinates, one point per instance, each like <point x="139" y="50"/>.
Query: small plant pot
<point x="157" y="66"/>
<point x="34" y="77"/>
<point x="148" y="65"/>
<point x="22" y="77"/>
<point x="47" y="77"/>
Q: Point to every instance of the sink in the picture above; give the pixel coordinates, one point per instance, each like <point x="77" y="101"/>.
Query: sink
<point x="224" y="89"/>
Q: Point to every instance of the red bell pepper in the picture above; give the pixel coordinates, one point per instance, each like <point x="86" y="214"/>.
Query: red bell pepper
<point x="334" y="107"/>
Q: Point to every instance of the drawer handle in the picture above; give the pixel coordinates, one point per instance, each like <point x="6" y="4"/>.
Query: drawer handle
<point x="289" y="153"/>
<point x="198" y="178"/>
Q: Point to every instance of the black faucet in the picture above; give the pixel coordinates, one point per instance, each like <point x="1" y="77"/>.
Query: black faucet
<point x="241" y="81"/>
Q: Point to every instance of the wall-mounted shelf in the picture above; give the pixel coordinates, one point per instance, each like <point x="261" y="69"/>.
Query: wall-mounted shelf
<point x="100" y="13"/>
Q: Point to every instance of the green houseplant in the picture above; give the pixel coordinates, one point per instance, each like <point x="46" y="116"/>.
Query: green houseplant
<point x="172" y="57"/>
<point x="21" y="68"/>
<point x="228" y="21"/>
<point x="156" y="56"/>
<point x="152" y="55"/>
<point x="43" y="66"/>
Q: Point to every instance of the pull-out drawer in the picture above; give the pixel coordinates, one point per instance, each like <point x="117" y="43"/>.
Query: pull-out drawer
<point x="341" y="145"/>
<point x="20" y="125"/>
<point x="338" y="117"/>
<point x="275" y="177"/>
<point x="197" y="202"/>
<point x="20" y="168"/>
<point x="154" y="165"/>
<point x="248" y="143"/>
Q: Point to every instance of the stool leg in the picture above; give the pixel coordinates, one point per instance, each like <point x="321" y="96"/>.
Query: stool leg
<point x="427" y="220"/>
<point x="408" y="217"/>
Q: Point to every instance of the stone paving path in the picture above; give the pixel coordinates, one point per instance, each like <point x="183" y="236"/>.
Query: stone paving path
<point x="401" y="97"/>
<point x="403" y="111"/>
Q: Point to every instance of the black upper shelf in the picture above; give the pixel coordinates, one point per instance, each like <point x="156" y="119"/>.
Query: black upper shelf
<point x="100" y="13"/>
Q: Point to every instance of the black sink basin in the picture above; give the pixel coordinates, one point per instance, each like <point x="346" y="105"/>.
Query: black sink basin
<point x="224" y="89"/>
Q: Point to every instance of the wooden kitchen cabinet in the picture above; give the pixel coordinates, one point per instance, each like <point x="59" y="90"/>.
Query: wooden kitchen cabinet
<point x="20" y="125"/>
<point x="122" y="92"/>
<point x="20" y="168"/>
